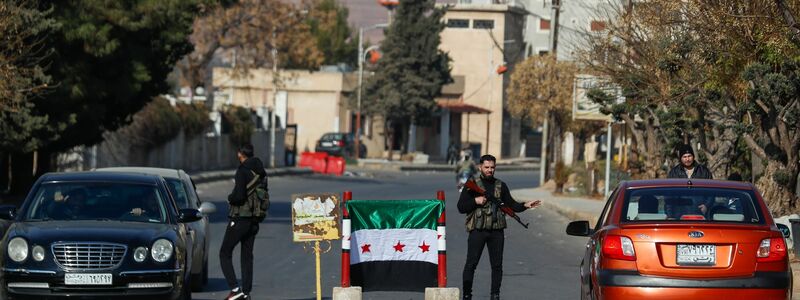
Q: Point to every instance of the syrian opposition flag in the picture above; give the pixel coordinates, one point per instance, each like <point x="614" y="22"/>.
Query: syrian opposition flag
<point x="394" y="244"/>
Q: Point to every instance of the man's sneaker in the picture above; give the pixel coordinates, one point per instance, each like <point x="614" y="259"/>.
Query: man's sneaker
<point x="236" y="294"/>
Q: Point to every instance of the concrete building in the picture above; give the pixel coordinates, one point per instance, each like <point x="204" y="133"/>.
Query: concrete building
<point x="577" y="18"/>
<point x="316" y="102"/>
<point x="482" y="40"/>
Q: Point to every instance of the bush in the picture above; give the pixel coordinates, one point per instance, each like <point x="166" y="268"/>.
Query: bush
<point x="154" y="125"/>
<point x="237" y="122"/>
<point x="194" y="118"/>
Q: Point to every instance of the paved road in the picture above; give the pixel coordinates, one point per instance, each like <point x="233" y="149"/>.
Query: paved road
<point x="540" y="263"/>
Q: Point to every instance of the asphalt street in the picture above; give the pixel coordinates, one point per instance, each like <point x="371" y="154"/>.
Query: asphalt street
<point x="539" y="263"/>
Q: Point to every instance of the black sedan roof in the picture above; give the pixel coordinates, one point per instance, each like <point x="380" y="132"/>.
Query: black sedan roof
<point x="101" y="177"/>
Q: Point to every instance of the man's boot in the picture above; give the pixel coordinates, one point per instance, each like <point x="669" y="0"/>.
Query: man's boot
<point x="467" y="297"/>
<point x="495" y="297"/>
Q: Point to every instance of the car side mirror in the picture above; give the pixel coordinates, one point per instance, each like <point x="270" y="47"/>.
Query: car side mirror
<point x="188" y="215"/>
<point x="579" y="228"/>
<point x="207" y="208"/>
<point x="784" y="230"/>
<point x="8" y="212"/>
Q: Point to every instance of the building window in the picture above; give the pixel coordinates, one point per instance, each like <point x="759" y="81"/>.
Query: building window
<point x="483" y="24"/>
<point x="543" y="52"/>
<point x="458" y="23"/>
<point x="544" y="24"/>
<point x="597" y="26"/>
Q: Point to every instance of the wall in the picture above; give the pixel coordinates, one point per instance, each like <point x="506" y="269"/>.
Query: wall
<point x="201" y="153"/>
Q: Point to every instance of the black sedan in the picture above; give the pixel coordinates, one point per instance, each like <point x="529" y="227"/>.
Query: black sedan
<point x="104" y="235"/>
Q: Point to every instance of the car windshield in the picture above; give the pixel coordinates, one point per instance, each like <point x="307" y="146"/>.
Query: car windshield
<point x="97" y="201"/>
<point x="178" y="190"/>
<point x="330" y="137"/>
<point x="697" y="204"/>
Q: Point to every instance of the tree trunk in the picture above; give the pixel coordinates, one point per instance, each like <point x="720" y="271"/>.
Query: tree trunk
<point x="390" y="134"/>
<point x="780" y="199"/>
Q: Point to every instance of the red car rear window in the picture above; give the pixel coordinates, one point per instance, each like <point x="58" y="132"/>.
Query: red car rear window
<point x="694" y="204"/>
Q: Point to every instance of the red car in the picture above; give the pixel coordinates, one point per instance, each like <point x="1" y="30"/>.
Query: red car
<point x="684" y="239"/>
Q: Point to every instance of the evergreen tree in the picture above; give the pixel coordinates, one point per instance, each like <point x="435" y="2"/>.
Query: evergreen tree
<point x="412" y="70"/>
<point x="328" y="22"/>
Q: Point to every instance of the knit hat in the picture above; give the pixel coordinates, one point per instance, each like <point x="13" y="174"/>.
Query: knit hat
<point x="685" y="149"/>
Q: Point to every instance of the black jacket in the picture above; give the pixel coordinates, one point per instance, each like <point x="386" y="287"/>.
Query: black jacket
<point x="700" y="172"/>
<point x="243" y="175"/>
<point x="466" y="202"/>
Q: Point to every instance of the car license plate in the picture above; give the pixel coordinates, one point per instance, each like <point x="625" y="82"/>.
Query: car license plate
<point x="697" y="255"/>
<point x="87" y="279"/>
<point x="327" y="144"/>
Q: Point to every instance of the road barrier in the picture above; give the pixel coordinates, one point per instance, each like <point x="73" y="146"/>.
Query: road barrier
<point x="322" y="163"/>
<point x="335" y="165"/>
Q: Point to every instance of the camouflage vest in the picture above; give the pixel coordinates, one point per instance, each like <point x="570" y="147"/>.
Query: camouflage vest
<point x="487" y="216"/>
<point x="257" y="202"/>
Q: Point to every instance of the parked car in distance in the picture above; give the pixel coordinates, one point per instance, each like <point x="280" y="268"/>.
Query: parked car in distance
<point x="97" y="234"/>
<point x="684" y="239"/>
<point x="339" y="144"/>
<point x="184" y="191"/>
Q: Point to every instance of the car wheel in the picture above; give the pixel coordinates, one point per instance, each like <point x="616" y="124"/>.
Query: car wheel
<point x="201" y="279"/>
<point x="186" y="293"/>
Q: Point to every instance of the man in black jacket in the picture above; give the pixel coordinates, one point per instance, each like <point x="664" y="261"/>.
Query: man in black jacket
<point x="486" y="224"/>
<point x="243" y="225"/>
<point x="688" y="168"/>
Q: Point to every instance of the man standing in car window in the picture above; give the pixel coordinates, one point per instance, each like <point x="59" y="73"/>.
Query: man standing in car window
<point x="689" y="168"/>
<point x="242" y="227"/>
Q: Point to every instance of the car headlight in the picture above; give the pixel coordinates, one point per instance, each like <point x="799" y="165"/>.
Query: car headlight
<point x="140" y="254"/>
<point x="18" y="249"/>
<point x="38" y="253"/>
<point x="162" y="250"/>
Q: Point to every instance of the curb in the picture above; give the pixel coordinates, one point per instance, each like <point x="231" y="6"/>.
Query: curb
<point x="227" y="174"/>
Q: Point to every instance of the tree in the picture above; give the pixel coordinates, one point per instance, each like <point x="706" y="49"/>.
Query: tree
<point x="249" y="30"/>
<point x="721" y="74"/>
<point x="543" y="84"/>
<point x="412" y="70"/>
<point x="109" y="58"/>
<point x="328" y="24"/>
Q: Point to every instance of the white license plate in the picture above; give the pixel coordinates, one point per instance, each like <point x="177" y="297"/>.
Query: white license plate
<point x="696" y="255"/>
<point x="327" y="144"/>
<point x="87" y="279"/>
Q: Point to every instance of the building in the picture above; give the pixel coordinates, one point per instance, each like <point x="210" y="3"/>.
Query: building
<point x="485" y="41"/>
<point x="576" y="19"/>
<point x="314" y="102"/>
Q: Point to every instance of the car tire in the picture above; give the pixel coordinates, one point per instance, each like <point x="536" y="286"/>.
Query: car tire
<point x="199" y="280"/>
<point x="186" y="293"/>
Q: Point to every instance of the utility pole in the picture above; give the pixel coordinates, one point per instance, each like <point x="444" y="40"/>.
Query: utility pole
<point x="361" y="54"/>
<point x="274" y="101"/>
<point x="556" y="6"/>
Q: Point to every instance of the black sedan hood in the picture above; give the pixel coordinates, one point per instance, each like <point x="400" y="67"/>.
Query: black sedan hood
<point x="89" y="231"/>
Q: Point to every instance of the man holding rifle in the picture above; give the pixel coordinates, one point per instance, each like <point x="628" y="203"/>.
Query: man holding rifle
<point x="486" y="202"/>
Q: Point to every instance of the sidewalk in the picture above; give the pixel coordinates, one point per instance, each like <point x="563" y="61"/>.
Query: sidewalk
<point x="208" y="176"/>
<point x="574" y="208"/>
<point x="434" y="166"/>
<point x="584" y="209"/>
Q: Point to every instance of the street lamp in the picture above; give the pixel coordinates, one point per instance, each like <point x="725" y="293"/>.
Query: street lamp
<point x="361" y="54"/>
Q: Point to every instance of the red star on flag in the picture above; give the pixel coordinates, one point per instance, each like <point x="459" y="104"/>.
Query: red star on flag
<point x="438" y="236"/>
<point x="399" y="247"/>
<point x="365" y="248"/>
<point x="425" y="248"/>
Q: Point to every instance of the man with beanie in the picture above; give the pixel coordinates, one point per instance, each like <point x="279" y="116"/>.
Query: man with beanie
<point x="243" y="223"/>
<point x="688" y="167"/>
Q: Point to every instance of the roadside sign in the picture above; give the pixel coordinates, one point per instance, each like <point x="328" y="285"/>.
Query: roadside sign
<point x="585" y="109"/>
<point x="315" y="217"/>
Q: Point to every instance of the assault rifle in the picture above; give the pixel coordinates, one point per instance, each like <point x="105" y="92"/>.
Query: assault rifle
<point x="472" y="186"/>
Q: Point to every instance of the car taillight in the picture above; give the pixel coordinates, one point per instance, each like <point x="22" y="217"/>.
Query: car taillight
<point x="618" y="247"/>
<point x="340" y="143"/>
<point x="772" y="249"/>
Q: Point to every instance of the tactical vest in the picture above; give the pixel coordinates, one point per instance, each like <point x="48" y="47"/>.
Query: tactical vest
<point x="257" y="202"/>
<point x="487" y="216"/>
